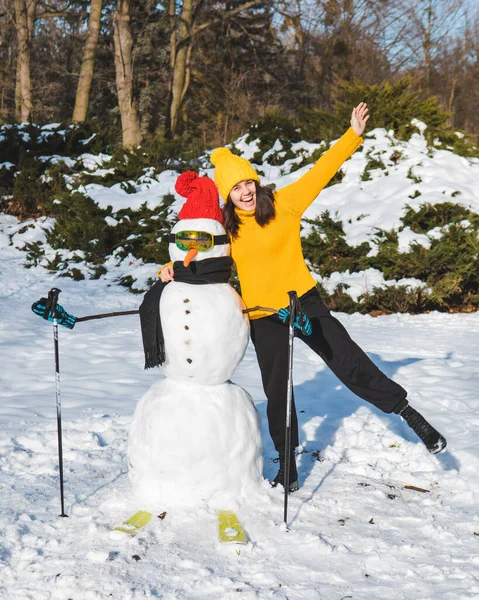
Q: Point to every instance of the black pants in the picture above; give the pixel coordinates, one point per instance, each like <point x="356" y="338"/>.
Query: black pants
<point x="332" y="343"/>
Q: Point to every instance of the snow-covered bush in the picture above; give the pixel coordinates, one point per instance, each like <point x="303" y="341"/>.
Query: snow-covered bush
<point x="95" y="234"/>
<point x="395" y="230"/>
<point x="394" y="107"/>
<point x="276" y="133"/>
<point x="449" y="267"/>
<point x="327" y="250"/>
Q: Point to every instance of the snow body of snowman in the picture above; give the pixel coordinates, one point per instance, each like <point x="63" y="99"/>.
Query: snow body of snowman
<point x="195" y="436"/>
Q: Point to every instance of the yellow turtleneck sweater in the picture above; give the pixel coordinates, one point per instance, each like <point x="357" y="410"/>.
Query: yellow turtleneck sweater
<point x="269" y="259"/>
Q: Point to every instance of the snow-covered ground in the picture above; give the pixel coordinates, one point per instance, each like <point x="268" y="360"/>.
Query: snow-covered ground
<point x="355" y="530"/>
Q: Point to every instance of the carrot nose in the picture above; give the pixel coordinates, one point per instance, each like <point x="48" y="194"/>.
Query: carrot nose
<point x="190" y="255"/>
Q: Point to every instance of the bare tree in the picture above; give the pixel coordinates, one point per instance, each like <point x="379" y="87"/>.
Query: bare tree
<point x="130" y="123"/>
<point x="7" y="58"/>
<point x="426" y="27"/>
<point x="330" y="40"/>
<point x="181" y="63"/>
<point x="24" y="22"/>
<point x="294" y="29"/>
<point x="456" y="69"/>
<point x="88" y="62"/>
<point x="181" y="51"/>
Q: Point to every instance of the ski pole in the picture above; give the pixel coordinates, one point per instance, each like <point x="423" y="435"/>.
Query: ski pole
<point x="69" y="321"/>
<point x="293" y="300"/>
<point x="135" y="312"/>
<point x="105" y="315"/>
<point x="51" y="306"/>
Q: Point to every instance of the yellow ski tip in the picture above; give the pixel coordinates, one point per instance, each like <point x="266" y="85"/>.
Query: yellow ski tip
<point x="135" y="523"/>
<point x="230" y="530"/>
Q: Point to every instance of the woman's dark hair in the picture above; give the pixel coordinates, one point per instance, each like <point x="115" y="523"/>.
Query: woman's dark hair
<point x="264" y="211"/>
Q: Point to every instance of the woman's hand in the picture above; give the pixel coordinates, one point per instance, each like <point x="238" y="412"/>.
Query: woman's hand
<point x="167" y="274"/>
<point x="359" y="117"/>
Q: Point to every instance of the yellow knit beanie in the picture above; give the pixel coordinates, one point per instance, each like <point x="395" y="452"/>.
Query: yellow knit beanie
<point x="230" y="170"/>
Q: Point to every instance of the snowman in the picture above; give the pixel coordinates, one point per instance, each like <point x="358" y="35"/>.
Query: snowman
<point x="195" y="436"/>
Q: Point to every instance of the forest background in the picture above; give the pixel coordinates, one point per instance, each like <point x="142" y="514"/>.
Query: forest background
<point x="205" y="70"/>
<point x="154" y="82"/>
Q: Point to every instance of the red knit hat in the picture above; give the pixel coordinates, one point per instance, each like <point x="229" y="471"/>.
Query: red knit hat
<point x="202" y="199"/>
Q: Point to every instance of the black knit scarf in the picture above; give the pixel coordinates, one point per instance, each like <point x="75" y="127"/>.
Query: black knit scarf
<point x="210" y="270"/>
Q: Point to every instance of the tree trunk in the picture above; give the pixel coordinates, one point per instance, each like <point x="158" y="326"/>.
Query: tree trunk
<point x="130" y="123"/>
<point x="24" y="21"/>
<point x="452" y="100"/>
<point x="427" y="45"/>
<point x="172" y="19"/>
<point x="292" y="15"/>
<point x="181" y="51"/>
<point x="180" y="75"/>
<point x="88" y="62"/>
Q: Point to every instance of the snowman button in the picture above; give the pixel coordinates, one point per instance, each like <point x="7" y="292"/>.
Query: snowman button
<point x="186" y="300"/>
<point x="187" y="312"/>
<point x="188" y="360"/>
<point x="186" y="327"/>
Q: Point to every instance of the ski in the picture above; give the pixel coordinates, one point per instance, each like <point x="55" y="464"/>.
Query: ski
<point x="135" y="523"/>
<point x="230" y="530"/>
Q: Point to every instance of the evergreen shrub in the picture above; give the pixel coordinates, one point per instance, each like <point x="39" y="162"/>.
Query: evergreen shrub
<point x="373" y="163"/>
<point x="29" y="191"/>
<point x="317" y="124"/>
<point x="314" y="157"/>
<point x="326" y="248"/>
<point x="340" y="300"/>
<point x="395" y="264"/>
<point x="144" y="232"/>
<point x="397" y="299"/>
<point x="453" y="265"/>
<point x="130" y="165"/>
<point x="29" y="139"/>
<point x="274" y="126"/>
<point x="449" y="267"/>
<point x="311" y="158"/>
<point x="30" y="185"/>
<point x="412" y="176"/>
<point x="7" y="181"/>
<point x="392" y="106"/>
<point x="430" y="216"/>
<point x="80" y="224"/>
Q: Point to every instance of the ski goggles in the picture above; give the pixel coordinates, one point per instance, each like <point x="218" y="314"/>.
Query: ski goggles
<point x="198" y="240"/>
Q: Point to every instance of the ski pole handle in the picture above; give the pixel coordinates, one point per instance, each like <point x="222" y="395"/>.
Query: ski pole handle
<point x="51" y="305"/>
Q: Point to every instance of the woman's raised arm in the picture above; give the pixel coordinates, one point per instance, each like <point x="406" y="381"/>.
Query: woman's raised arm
<point x="300" y="194"/>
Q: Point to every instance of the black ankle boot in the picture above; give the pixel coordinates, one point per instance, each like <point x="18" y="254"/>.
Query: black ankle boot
<point x="433" y="440"/>
<point x="293" y="473"/>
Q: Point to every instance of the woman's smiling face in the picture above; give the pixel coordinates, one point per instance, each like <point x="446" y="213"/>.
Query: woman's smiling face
<point x="243" y="195"/>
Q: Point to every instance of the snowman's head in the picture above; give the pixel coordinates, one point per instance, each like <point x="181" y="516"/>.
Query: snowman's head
<point x="198" y="239"/>
<point x="199" y="234"/>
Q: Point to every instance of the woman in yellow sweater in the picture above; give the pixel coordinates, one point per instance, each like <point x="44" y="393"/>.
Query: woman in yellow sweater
<point x="264" y="228"/>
